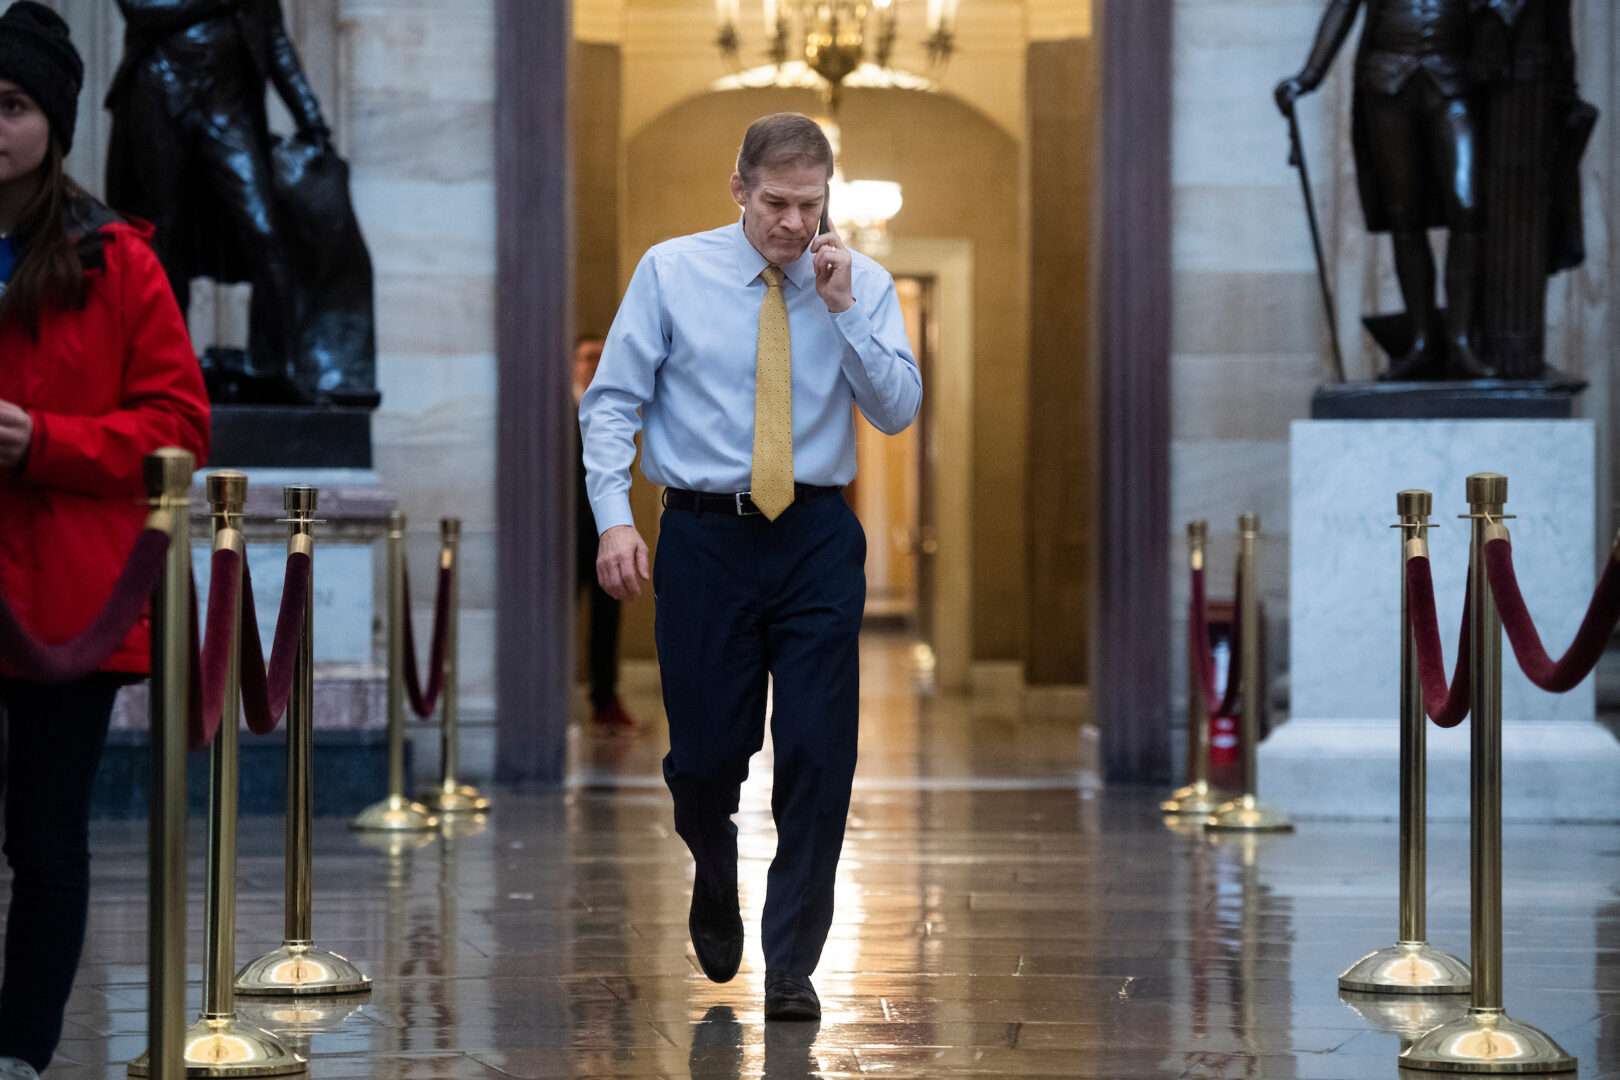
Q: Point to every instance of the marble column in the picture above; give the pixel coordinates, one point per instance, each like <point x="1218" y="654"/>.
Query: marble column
<point x="1130" y="669"/>
<point x="535" y="421"/>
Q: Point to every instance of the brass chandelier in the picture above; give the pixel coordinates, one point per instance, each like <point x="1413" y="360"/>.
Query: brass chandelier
<point x="834" y="38"/>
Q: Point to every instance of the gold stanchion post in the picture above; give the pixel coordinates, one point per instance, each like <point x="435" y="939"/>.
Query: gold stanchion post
<point x="1245" y="813"/>
<point x="1197" y="796"/>
<point x="451" y="796"/>
<point x="220" y="1044"/>
<point x="168" y="482"/>
<point x="1487" y="1040"/>
<point x="299" y="966"/>
<point x="396" y="813"/>
<point x="1411" y="965"/>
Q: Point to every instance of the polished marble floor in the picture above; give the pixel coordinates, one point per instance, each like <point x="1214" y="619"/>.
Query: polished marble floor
<point x="999" y="915"/>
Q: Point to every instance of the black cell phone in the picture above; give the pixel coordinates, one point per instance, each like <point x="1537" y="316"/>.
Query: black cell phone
<point x="826" y="222"/>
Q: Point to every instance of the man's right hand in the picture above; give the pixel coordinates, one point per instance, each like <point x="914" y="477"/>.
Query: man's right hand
<point x="1291" y="90"/>
<point x="621" y="562"/>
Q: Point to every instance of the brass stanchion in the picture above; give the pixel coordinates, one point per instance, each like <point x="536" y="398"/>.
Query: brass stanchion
<point x="1197" y="796"/>
<point x="300" y="966"/>
<point x="168" y="482"/>
<point x="220" y="1044"/>
<point x="451" y="796"/>
<point x="396" y="813"/>
<point x="1411" y="965"/>
<point x="1245" y="813"/>
<point x="1487" y="1040"/>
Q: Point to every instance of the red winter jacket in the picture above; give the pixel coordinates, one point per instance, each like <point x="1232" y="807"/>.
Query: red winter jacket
<point x="105" y="386"/>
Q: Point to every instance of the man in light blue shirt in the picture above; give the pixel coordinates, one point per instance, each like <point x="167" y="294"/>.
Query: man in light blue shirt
<point x="744" y="591"/>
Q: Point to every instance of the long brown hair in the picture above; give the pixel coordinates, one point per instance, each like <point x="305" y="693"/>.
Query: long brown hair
<point x="51" y="274"/>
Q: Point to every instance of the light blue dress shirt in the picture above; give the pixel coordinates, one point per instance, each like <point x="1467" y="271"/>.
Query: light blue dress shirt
<point x="680" y="360"/>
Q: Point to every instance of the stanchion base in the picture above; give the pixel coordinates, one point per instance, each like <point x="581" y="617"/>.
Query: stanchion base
<point x="395" y="814"/>
<point x="1408" y="967"/>
<point x="1487" y="1041"/>
<point x="1407" y="1016"/>
<point x="231" y="1047"/>
<point x="300" y="969"/>
<point x="297" y="1018"/>
<point x="1245" y="814"/>
<point x="1199" y="799"/>
<point x="455" y="826"/>
<point x="455" y="799"/>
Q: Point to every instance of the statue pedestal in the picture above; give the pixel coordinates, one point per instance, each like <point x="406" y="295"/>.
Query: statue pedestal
<point x="351" y="720"/>
<point x="1337" y="756"/>
<point x="290" y="437"/>
<point x="1552" y="397"/>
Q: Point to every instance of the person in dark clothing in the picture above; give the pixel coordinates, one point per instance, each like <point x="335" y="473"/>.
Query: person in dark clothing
<point x="607" y="710"/>
<point x="96" y="372"/>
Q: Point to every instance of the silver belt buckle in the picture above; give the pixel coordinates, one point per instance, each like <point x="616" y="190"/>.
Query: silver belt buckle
<point x="746" y="509"/>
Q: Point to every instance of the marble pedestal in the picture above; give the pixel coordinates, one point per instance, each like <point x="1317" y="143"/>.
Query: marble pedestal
<point x="350" y="676"/>
<point x="1337" y="756"/>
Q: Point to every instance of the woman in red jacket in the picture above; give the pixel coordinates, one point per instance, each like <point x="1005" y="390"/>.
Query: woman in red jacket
<point x="96" y="371"/>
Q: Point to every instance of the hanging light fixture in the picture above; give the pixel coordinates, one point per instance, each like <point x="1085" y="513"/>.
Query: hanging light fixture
<point x="835" y="39"/>
<point x="860" y="209"/>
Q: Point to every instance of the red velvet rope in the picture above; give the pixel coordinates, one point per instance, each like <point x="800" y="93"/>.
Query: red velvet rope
<point x="1446" y="706"/>
<point x="423" y="704"/>
<point x="265" y="692"/>
<point x="1565" y="673"/>
<point x="207" y="698"/>
<point x="38" y="662"/>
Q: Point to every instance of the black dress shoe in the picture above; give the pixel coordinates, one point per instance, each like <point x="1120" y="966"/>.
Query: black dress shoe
<point x="790" y="997"/>
<point x="717" y="930"/>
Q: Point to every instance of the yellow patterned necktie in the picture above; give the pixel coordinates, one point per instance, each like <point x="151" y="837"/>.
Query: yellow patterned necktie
<point x="772" y="486"/>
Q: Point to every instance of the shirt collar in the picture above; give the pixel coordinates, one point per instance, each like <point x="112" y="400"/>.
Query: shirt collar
<point x="801" y="271"/>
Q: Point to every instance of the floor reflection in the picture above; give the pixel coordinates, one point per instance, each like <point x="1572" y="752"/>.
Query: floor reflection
<point x="1405" y="1016"/>
<point x="999" y="914"/>
<point x="717" y="1045"/>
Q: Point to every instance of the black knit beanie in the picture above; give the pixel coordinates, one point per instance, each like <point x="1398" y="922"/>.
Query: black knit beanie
<point x="37" y="54"/>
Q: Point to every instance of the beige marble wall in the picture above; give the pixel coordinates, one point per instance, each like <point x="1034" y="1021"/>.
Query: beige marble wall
<point x="417" y="99"/>
<point x="1248" y="340"/>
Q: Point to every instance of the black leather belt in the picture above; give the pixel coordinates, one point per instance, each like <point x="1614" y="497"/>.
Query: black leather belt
<point x="737" y="505"/>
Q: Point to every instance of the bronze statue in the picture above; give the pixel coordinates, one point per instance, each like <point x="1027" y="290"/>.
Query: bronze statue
<point x="192" y="152"/>
<point x="1536" y="131"/>
<point x="1417" y="160"/>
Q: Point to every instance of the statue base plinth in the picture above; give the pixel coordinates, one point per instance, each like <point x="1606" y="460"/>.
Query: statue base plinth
<point x="290" y="437"/>
<point x="1551" y="397"/>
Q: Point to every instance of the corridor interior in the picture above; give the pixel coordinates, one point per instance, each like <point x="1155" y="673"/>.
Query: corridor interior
<point x="999" y="914"/>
